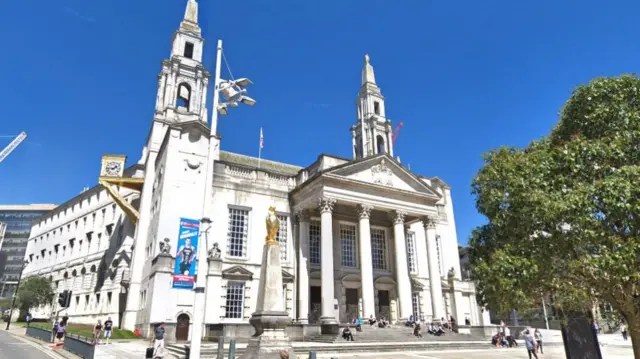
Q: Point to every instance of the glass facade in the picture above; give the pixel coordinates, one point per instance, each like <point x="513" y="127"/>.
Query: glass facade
<point x="14" y="245"/>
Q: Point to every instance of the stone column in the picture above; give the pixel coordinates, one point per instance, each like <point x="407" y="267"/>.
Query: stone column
<point x="434" y="273"/>
<point x="326" y="260"/>
<point x="402" y="268"/>
<point x="303" y="266"/>
<point x="366" y="265"/>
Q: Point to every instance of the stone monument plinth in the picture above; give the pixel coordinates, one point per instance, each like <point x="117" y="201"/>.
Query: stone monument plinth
<point x="270" y="318"/>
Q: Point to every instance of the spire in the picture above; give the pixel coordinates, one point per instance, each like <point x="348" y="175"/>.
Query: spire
<point x="190" y="21"/>
<point x="367" y="72"/>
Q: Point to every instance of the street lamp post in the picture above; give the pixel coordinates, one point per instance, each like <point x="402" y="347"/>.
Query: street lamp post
<point x="233" y="92"/>
<point x="15" y="294"/>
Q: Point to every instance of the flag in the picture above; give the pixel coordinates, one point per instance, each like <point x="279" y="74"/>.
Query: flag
<point x="261" y="139"/>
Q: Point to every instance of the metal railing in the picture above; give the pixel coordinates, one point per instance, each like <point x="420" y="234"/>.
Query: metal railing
<point x="79" y="345"/>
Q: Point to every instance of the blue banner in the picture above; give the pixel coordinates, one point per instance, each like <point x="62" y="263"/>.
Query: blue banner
<point x="186" y="252"/>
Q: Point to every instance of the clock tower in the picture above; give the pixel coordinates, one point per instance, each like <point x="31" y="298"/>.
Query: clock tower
<point x="177" y="138"/>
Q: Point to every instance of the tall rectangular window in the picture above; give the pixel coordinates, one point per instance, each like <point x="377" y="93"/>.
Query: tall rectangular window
<point x="348" y="245"/>
<point x="411" y="252"/>
<point x="415" y="302"/>
<point x="376" y="107"/>
<point x="378" y="249"/>
<point x="314" y="242"/>
<point x="238" y="231"/>
<point x="188" y="50"/>
<point x="235" y="300"/>
<point x="281" y="237"/>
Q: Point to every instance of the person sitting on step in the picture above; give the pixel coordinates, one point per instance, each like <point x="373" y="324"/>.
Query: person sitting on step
<point x="416" y="330"/>
<point x="346" y="334"/>
<point x="372" y="320"/>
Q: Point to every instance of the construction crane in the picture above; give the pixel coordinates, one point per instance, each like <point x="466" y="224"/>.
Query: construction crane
<point x="12" y="146"/>
<point x="396" y="132"/>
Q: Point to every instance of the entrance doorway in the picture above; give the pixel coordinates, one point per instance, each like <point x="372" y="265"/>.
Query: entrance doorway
<point x="315" y="304"/>
<point x="182" y="328"/>
<point x="383" y="304"/>
<point x="351" y="309"/>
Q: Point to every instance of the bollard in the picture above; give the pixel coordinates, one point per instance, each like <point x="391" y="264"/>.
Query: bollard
<point x="312" y="355"/>
<point x="232" y="349"/>
<point x="220" y="348"/>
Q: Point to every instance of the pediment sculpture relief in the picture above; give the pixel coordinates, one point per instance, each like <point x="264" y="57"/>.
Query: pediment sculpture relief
<point x="382" y="174"/>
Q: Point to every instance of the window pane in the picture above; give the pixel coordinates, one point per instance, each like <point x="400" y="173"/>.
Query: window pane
<point x="314" y="242"/>
<point x="238" y="230"/>
<point x="235" y="300"/>
<point x="282" y="236"/>
<point x="378" y="249"/>
<point x="348" y="245"/>
<point x="411" y="252"/>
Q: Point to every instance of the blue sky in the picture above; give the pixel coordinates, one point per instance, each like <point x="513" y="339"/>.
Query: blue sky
<point x="464" y="76"/>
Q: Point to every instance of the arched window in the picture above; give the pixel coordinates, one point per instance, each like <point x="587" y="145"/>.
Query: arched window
<point x="184" y="96"/>
<point x="380" y="144"/>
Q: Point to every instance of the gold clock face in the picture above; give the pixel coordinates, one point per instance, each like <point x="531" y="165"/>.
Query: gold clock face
<point x="112" y="168"/>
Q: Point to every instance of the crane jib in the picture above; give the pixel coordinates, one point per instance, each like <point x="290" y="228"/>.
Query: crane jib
<point x="12" y="146"/>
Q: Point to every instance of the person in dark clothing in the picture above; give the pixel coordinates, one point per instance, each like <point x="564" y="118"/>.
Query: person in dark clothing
<point x="346" y="334"/>
<point x="108" y="327"/>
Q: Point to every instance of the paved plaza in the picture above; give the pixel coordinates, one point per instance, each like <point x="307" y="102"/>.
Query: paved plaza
<point x="514" y="353"/>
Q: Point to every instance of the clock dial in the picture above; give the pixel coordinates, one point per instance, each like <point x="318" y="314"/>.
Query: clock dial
<point x="112" y="168"/>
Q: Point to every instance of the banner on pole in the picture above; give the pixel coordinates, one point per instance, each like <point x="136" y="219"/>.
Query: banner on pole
<point x="185" y="267"/>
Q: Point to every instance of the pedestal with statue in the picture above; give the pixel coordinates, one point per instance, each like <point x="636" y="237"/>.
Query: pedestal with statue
<point x="270" y="318"/>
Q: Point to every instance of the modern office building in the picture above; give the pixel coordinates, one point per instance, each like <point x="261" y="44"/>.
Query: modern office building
<point x="359" y="236"/>
<point x="18" y="220"/>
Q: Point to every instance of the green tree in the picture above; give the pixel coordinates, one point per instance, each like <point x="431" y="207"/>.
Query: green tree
<point x="564" y="212"/>
<point x="33" y="292"/>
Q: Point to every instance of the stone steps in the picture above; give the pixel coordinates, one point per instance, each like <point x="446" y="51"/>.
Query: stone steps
<point x="209" y="351"/>
<point x="392" y="334"/>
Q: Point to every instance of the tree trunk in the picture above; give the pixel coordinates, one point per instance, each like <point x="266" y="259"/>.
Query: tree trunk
<point x="633" y="326"/>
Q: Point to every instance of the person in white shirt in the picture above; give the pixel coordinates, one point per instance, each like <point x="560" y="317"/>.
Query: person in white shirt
<point x="508" y="337"/>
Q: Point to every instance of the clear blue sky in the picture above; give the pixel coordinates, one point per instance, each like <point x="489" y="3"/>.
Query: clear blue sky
<point x="463" y="76"/>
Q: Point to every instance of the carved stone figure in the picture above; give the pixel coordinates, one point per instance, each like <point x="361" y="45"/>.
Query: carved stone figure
<point x="165" y="247"/>
<point x="273" y="225"/>
<point x="382" y="174"/>
<point x="214" y="252"/>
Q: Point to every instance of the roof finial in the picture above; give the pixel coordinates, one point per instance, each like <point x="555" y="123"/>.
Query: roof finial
<point x="366" y="58"/>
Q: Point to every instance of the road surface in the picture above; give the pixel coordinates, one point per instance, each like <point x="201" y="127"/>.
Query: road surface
<point x="14" y="348"/>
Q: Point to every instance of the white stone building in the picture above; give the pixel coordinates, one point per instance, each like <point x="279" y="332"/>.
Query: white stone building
<point x="84" y="245"/>
<point x="360" y="237"/>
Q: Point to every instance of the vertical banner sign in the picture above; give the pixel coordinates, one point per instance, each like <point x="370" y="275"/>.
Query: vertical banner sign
<point x="185" y="268"/>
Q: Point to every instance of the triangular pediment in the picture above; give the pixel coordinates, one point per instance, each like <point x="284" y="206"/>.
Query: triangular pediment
<point x="384" y="171"/>
<point x="237" y="273"/>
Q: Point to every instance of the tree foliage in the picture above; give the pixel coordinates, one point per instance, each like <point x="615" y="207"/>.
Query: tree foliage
<point x="564" y="212"/>
<point x="33" y="292"/>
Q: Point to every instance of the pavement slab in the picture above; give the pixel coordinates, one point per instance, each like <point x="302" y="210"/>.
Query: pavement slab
<point x="494" y="353"/>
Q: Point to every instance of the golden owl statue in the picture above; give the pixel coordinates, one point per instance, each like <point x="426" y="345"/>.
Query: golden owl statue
<point x="273" y="225"/>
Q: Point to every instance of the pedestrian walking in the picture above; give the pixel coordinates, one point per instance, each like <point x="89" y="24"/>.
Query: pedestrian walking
<point x="623" y="330"/>
<point x="96" y="333"/>
<point x="530" y="343"/>
<point x="538" y="337"/>
<point x="108" y="327"/>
